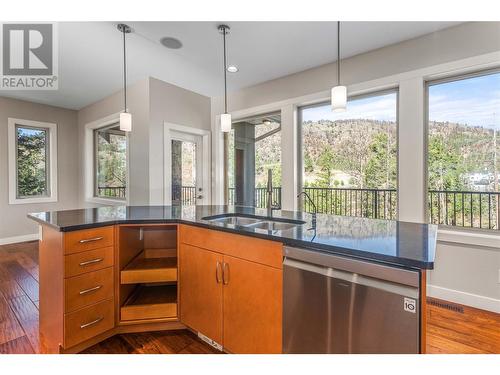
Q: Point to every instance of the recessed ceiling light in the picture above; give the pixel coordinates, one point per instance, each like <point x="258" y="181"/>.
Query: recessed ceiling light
<point x="232" y="68"/>
<point x="171" y="43"/>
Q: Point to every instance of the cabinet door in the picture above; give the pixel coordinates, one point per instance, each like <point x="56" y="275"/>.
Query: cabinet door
<point x="252" y="307"/>
<point x="200" y="296"/>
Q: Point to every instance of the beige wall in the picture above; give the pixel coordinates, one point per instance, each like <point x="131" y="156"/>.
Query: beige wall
<point x="13" y="220"/>
<point x="169" y="103"/>
<point x="151" y="102"/>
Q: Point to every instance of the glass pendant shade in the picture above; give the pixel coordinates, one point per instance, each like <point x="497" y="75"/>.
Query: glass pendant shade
<point x="339" y="98"/>
<point x="125" y="122"/>
<point x="225" y="122"/>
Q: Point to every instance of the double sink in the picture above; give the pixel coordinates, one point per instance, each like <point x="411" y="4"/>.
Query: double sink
<point x="257" y="222"/>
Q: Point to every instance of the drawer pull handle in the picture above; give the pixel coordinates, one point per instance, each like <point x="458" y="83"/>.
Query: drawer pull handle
<point x="225" y="273"/>
<point x="86" y="263"/>
<point x="85" y="291"/>
<point x="218" y="271"/>
<point x="91" y="239"/>
<point x="91" y="323"/>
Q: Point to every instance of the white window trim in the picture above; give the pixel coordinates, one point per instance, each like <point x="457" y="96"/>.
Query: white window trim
<point x="89" y="167"/>
<point x="13" y="199"/>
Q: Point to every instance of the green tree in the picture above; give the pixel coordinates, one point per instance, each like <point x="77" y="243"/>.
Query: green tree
<point x="31" y="162"/>
<point x="445" y="165"/>
<point x="380" y="170"/>
<point x="325" y="165"/>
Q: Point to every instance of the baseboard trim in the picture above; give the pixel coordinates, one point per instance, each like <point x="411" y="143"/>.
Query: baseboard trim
<point x="463" y="298"/>
<point x="17" y="239"/>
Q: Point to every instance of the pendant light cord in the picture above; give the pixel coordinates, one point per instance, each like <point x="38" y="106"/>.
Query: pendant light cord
<point x="124" y="71"/>
<point x="225" y="72"/>
<point x="338" y="53"/>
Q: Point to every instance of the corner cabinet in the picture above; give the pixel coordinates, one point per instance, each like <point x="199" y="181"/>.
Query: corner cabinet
<point x="231" y="289"/>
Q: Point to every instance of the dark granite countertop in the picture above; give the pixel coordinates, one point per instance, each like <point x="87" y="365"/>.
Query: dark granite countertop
<point x="398" y="243"/>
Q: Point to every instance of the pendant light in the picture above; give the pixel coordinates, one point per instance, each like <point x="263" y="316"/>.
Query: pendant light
<point x="125" y="117"/>
<point x="225" y="118"/>
<point x="339" y="92"/>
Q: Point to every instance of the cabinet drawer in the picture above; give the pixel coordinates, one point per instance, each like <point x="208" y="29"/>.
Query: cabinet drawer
<point x="87" y="289"/>
<point x="88" y="261"/>
<point x="88" y="239"/>
<point x="265" y="252"/>
<point x="86" y="323"/>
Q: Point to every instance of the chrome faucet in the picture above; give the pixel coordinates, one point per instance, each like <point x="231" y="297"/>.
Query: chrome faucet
<point x="315" y="210"/>
<point x="270" y="205"/>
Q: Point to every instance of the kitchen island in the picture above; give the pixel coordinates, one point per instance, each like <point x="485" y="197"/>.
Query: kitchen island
<point x="117" y="269"/>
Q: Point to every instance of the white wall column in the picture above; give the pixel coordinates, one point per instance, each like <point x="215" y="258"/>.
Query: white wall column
<point x="289" y="146"/>
<point x="217" y="153"/>
<point x="411" y="151"/>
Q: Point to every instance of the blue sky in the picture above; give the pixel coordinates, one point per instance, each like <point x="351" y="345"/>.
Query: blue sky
<point x="474" y="101"/>
<point x="29" y="131"/>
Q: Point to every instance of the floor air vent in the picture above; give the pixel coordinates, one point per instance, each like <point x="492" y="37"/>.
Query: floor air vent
<point x="445" y="305"/>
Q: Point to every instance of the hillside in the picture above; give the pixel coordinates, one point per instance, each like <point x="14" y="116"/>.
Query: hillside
<point x="362" y="153"/>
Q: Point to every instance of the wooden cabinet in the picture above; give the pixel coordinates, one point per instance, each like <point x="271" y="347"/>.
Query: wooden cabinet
<point x="234" y="301"/>
<point x="252" y="307"/>
<point x="76" y="286"/>
<point x="97" y="282"/>
<point x="201" y="290"/>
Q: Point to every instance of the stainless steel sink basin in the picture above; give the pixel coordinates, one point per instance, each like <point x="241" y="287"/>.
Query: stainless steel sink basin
<point x="273" y="225"/>
<point x="235" y="220"/>
<point x="256" y="222"/>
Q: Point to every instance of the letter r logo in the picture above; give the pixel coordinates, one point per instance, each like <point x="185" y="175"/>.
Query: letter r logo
<point x="27" y="49"/>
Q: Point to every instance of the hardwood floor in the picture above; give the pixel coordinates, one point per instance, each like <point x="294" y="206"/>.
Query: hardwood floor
<point x="467" y="330"/>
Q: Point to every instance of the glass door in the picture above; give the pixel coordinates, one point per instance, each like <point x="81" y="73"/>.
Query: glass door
<point x="186" y="156"/>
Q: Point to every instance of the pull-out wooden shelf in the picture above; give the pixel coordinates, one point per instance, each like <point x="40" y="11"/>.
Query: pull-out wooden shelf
<point x="143" y="269"/>
<point x="151" y="302"/>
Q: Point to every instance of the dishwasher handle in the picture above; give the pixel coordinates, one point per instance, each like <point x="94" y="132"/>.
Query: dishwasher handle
<point x="354" y="278"/>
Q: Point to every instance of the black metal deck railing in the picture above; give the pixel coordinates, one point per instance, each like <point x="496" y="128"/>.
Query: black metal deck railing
<point x="260" y="196"/>
<point x="372" y="203"/>
<point x="188" y="195"/>
<point x="471" y="209"/>
<point x="112" y="192"/>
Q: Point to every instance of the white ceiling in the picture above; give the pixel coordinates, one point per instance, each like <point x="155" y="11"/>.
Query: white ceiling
<point x="90" y="54"/>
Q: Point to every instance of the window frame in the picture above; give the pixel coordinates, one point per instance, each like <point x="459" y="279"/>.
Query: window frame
<point x="433" y="82"/>
<point x="95" y="164"/>
<point x="257" y="114"/>
<point x="51" y="154"/>
<point x="300" y="150"/>
<point x="88" y="161"/>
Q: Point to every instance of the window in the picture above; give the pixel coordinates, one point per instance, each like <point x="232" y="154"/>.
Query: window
<point x="349" y="159"/>
<point x="254" y="148"/>
<point x="110" y="161"/>
<point x="463" y="151"/>
<point x="32" y="161"/>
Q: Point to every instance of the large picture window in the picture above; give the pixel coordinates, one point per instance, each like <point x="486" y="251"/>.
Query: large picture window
<point x="349" y="159"/>
<point x="110" y="160"/>
<point x="254" y="149"/>
<point x="463" y="151"/>
<point x="32" y="161"/>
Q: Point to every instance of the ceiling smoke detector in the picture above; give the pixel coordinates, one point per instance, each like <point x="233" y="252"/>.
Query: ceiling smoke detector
<point x="171" y="43"/>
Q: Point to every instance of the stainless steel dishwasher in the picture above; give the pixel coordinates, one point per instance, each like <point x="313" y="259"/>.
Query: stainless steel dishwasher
<point x="334" y="304"/>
